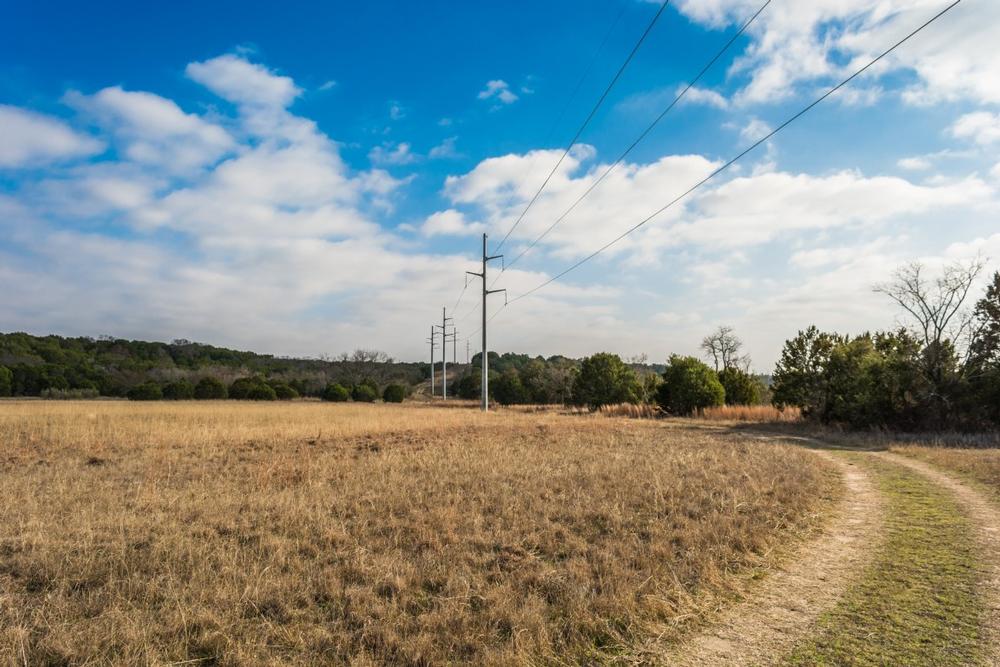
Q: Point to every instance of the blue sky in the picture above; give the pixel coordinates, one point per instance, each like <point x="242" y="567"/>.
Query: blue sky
<point x="305" y="179"/>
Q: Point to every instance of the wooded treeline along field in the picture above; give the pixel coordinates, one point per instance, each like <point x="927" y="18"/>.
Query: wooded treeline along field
<point x="304" y="533"/>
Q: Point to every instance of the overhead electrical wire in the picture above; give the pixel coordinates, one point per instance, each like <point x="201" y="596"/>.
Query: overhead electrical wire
<point x="732" y="161"/>
<point x="570" y="99"/>
<point x="586" y="122"/>
<point x="641" y="136"/>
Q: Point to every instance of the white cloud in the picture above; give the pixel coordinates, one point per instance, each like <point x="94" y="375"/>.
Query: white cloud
<point x="915" y="163"/>
<point x="982" y="127"/>
<point x="398" y="155"/>
<point x="241" y="82"/>
<point x="154" y="130"/>
<point x="29" y="139"/>
<point x="754" y="130"/>
<point x="704" y="96"/>
<point x="825" y="39"/>
<point x="445" y="150"/>
<point x="327" y="85"/>
<point x="499" y="89"/>
<point x="450" y="223"/>
<point x="396" y="111"/>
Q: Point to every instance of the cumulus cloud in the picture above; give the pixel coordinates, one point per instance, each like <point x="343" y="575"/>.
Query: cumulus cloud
<point x="154" y="130"/>
<point x="29" y="139"/>
<point x="450" y="223"/>
<point x="981" y="127"/>
<point x="499" y="89"/>
<point x="820" y="41"/>
<point x="399" y="154"/>
<point x="445" y="150"/>
<point x="915" y="163"/>
<point x="239" y="81"/>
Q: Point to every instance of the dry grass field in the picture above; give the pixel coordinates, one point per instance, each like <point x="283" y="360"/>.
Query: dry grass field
<point x="307" y="533"/>
<point x="976" y="464"/>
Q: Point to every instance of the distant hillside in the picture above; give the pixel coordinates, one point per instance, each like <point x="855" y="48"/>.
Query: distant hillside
<point x="58" y="366"/>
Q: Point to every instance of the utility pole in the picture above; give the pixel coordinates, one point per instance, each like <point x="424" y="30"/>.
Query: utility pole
<point x="444" y="353"/>
<point x="454" y="346"/>
<point x="433" y="345"/>
<point x="485" y="355"/>
<point x="466" y="351"/>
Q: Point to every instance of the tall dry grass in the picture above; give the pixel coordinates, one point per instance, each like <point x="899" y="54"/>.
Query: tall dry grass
<point x="751" y="413"/>
<point x="244" y="534"/>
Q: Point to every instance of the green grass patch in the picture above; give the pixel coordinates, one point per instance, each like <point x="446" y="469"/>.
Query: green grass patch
<point x="916" y="604"/>
<point x="980" y="467"/>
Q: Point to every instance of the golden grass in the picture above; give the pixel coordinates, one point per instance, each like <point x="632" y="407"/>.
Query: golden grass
<point x="309" y="533"/>
<point x="751" y="413"/>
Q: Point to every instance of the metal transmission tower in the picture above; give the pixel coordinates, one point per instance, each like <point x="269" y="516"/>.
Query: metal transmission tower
<point x="433" y="346"/>
<point x="486" y="292"/>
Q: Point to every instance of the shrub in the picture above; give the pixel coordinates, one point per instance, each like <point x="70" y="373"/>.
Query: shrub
<point x="337" y="393"/>
<point x="147" y="391"/>
<point x="470" y="385"/>
<point x="252" y="389"/>
<point x="179" y="390"/>
<point x="741" y="387"/>
<point x="209" y="388"/>
<point x="363" y="393"/>
<point x="6" y="381"/>
<point x="262" y="392"/>
<point x="283" y="391"/>
<point x="605" y="379"/>
<point x="394" y="393"/>
<point x="689" y="385"/>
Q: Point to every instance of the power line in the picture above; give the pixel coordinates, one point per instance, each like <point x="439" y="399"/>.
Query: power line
<point x="739" y="156"/>
<point x="586" y="122"/>
<point x="569" y="101"/>
<point x="642" y="135"/>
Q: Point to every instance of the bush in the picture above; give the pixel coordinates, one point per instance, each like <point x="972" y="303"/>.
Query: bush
<point x="262" y="392"/>
<point x="394" y="393"/>
<point x="363" y="393"/>
<point x="147" y="391"/>
<point x="283" y="391"/>
<point x="470" y="385"/>
<point x="689" y="385"/>
<point x="180" y="390"/>
<point x="741" y="387"/>
<point x="252" y="389"/>
<point x="209" y="388"/>
<point x="605" y="379"/>
<point x="336" y="393"/>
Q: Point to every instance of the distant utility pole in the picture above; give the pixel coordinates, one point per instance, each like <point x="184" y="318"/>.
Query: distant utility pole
<point x="485" y="355"/>
<point x="466" y="351"/>
<point x="444" y="352"/>
<point x="433" y="345"/>
<point x="454" y="346"/>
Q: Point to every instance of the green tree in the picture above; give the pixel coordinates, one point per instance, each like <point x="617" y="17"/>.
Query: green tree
<point x="689" y="385"/>
<point x="261" y="392"/>
<point x="605" y="379"/>
<point x="210" y="388"/>
<point x="178" y="390"/>
<point x="336" y="393"/>
<point x="799" y="376"/>
<point x="470" y="385"/>
<point x="147" y="391"/>
<point x="741" y="387"/>
<point x="508" y="389"/>
<point x="241" y="388"/>
<point x="6" y="381"/>
<point x="394" y="393"/>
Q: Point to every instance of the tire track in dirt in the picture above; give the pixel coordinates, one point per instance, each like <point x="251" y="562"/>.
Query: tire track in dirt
<point x="986" y="517"/>
<point x="764" y="627"/>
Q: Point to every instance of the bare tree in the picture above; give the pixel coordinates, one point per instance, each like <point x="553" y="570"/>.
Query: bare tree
<point x="936" y="307"/>
<point x="723" y="347"/>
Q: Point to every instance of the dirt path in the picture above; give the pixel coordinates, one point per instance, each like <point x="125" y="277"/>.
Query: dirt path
<point x="986" y="517"/>
<point x="782" y="611"/>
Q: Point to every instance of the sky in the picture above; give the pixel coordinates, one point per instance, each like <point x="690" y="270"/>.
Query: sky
<point x="303" y="179"/>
